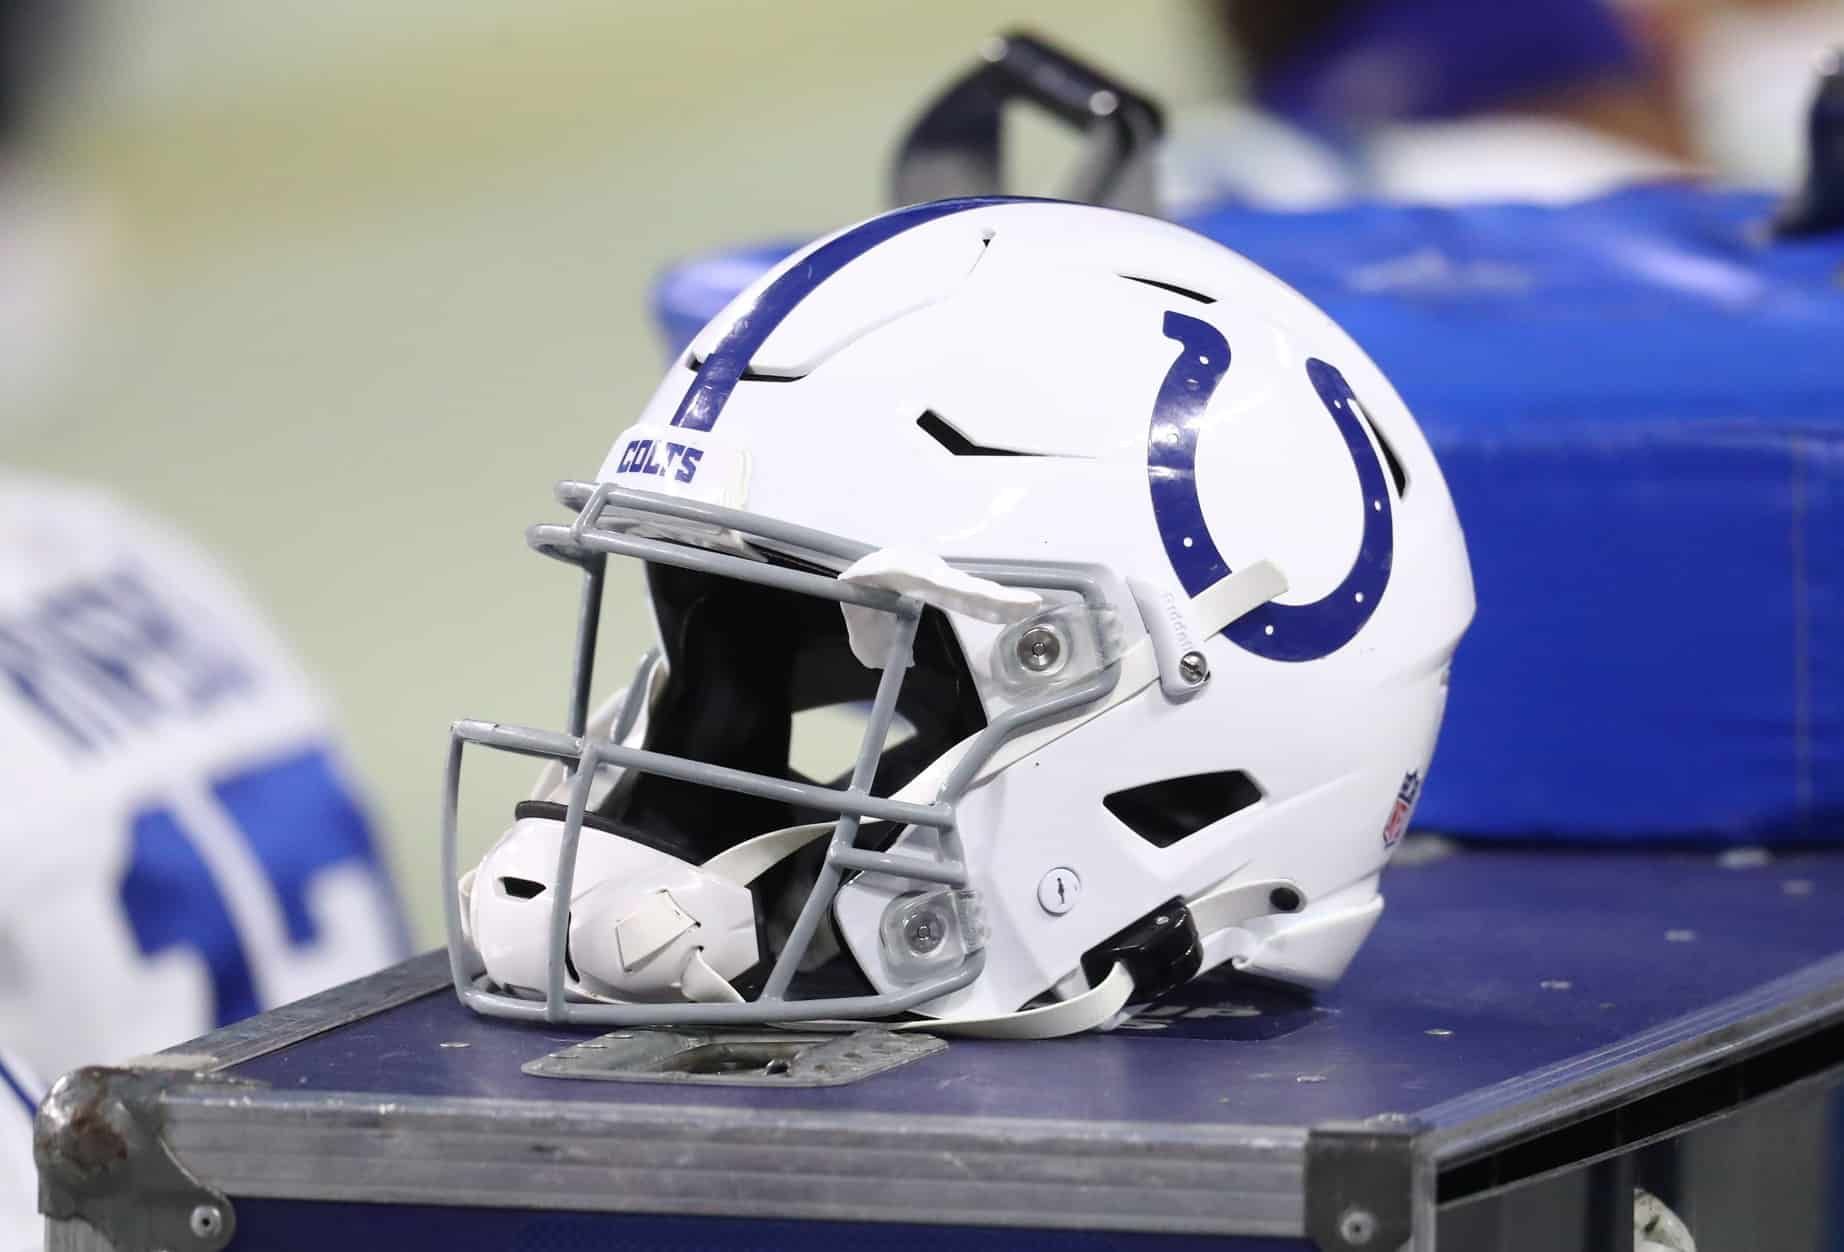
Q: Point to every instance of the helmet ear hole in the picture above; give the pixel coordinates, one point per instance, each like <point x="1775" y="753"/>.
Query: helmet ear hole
<point x="521" y="888"/>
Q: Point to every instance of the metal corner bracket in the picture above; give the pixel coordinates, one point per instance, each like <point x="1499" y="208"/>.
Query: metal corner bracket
<point x="103" y="1160"/>
<point x="1360" y="1184"/>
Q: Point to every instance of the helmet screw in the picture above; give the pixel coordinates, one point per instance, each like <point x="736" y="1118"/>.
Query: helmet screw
<point x="1039" y="649"/>
<point x="206" y="1221"/>
<point x="925" y="931"/>
<point x="1357" y="1226"/>
<point x="1194" y="668"/>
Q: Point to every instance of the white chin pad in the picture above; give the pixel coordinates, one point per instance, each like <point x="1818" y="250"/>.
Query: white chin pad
<point x="934" y="582"/>
<point x="637" y="916"/>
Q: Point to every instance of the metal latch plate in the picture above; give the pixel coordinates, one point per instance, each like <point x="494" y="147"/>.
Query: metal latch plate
<point x="736" y="1058"/>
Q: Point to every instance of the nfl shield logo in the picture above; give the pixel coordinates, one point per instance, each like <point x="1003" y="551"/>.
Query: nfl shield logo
<point x="1400" y="812"/>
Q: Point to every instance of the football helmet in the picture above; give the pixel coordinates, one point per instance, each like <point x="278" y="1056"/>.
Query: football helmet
<point x="1137" y="580"/>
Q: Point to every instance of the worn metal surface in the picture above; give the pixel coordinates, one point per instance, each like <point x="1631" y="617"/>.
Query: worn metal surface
<point x="74" y="1235"/>
<point x="331" y="1009"/>
<point x="103" y="1161"/>
<point x="1360" y="1184"/>
<point x="735" y="1058"/>
<point x="683" y="1159"/>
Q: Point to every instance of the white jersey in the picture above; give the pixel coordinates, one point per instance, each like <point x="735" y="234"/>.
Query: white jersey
<point x="181" y="845"/>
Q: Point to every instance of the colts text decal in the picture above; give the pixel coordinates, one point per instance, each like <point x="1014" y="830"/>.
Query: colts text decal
<point x="662" y="458"/>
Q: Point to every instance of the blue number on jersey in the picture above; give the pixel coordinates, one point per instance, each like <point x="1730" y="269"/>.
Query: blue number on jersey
<point x="172" y="901"/>
<point x="298" y="820"/>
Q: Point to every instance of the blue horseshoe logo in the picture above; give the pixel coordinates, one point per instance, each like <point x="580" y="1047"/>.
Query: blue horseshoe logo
<point x="1279" y="632"/>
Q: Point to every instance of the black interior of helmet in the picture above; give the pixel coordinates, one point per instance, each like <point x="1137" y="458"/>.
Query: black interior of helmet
<point x="742" y="659"/>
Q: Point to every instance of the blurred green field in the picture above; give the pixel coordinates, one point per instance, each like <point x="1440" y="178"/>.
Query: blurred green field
<point x="372" y="277"/>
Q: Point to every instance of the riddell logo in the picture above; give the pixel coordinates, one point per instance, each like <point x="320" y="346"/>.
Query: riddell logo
<point x="1403" y="809"/>
<point x="1181" y="628"/>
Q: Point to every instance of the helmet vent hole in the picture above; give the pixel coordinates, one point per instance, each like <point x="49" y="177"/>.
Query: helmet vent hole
<point x="750" y="374"/>
<point x="1162" y="813"/>
<point x="1396" y="472"/>
<point x="1174" y="288"/>
<point x="521" y="888"/>
<point x="938" y="428"/>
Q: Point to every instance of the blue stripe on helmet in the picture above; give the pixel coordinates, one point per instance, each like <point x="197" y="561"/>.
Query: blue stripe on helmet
<point x="11" y="1082"/>
<point x="718" y="375"/>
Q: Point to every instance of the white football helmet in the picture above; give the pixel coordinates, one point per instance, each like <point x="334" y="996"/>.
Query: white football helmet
<point x="1143" y="584"/>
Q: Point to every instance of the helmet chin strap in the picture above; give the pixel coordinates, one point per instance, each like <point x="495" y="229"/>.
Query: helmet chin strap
<point x="1177" y="626"/>
<point x="1091" y="1010"/>
<point x="1103" y="1004"/>
<point x="1096" y="1008"/>
<point x="1230" y="906"/>
<point x="752" y="858"/>
<point x="1234" y="597"/>
<point x="747" y="861"/>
